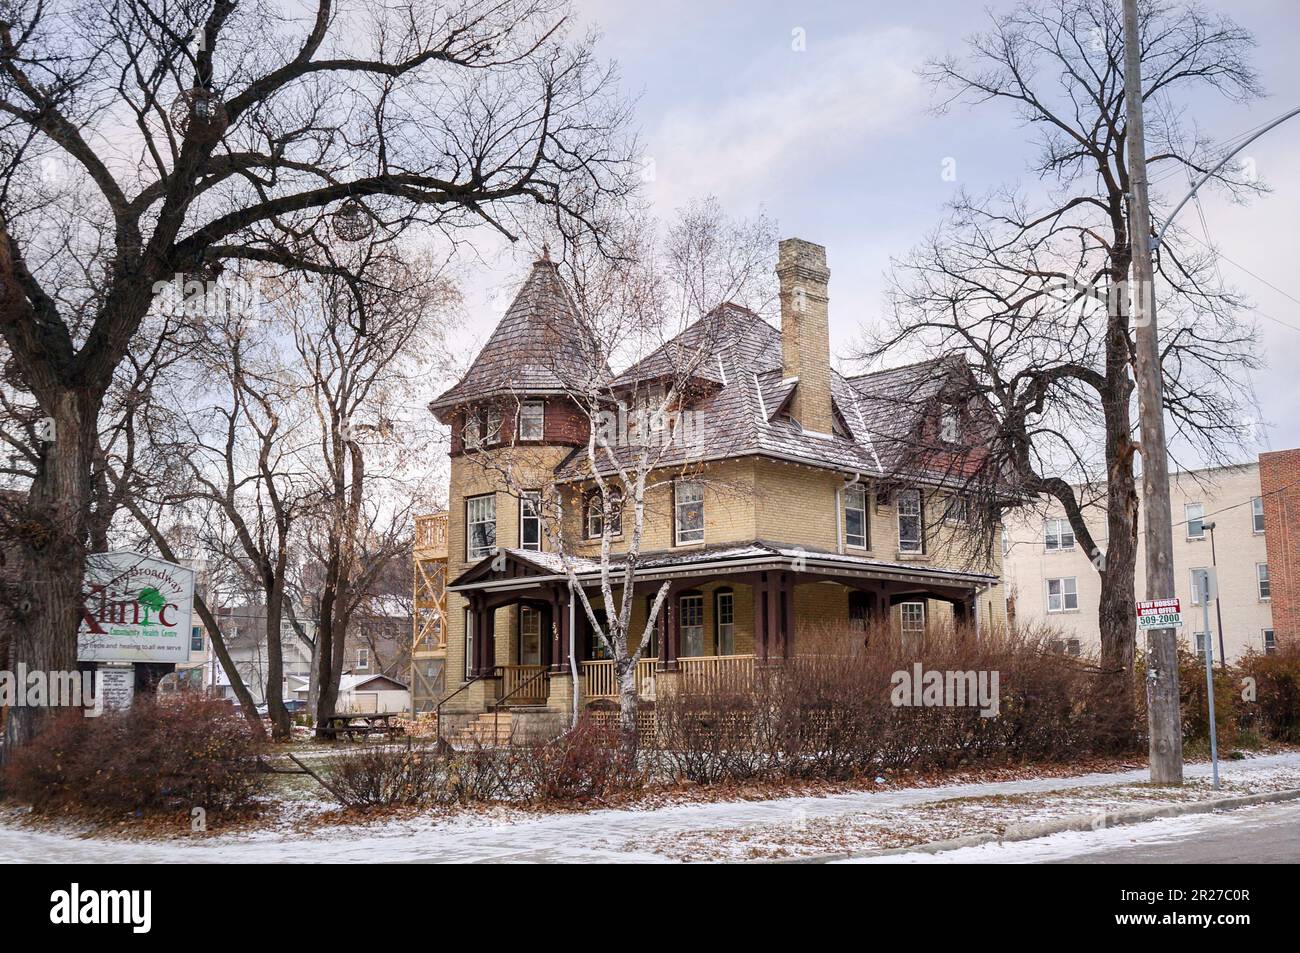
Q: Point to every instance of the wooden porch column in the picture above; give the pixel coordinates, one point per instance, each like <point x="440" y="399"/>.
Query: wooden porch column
<point x="485" y="639"/>
<point x="786" y="604"/>
<point x="759" y="587"/>
<point x="561" y="637"/>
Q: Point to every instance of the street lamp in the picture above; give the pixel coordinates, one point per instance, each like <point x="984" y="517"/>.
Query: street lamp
<point x="1218" y="609"/>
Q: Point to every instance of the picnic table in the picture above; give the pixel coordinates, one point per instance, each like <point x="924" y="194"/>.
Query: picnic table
<point x="362" y="724"/>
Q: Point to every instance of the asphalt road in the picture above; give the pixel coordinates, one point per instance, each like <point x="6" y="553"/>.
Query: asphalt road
<point x="1268" y="834"/>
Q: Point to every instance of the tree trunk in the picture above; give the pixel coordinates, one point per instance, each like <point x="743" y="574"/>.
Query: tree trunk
<point x="280" y="728"/>
<point x="52" y="553"/>
<point x="625" y="670"/>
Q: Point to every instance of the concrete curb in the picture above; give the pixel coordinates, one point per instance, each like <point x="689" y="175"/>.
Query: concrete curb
<point x="1079" y="822"/>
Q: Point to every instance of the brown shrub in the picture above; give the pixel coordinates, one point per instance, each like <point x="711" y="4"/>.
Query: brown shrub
<point x="1275" y="714"/>
<point x="589" y="761"/>
<point x="385" y="776"/>
<point x="186" y="751"/>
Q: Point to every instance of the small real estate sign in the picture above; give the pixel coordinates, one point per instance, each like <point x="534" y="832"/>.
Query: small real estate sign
<point x="135" y="609"/>
<point x="1160" y="614"/>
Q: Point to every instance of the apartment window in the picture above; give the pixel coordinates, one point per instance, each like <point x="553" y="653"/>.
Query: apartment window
<point x="911" y="537"/>
<point x="530" y="636"/>
<point x="1261" y="578"/>
<point x="532" y="420"/>
<point x="1065" y="646"/>
<point x="688" y="513"/>
<point x="196" y="639"/>
<point x="855" y="516"/>
<point x="1062" y="594"/>
<point x="469" y="644"/>
<point x="1197" y="596"/>
<point x="1270" y="642"/>
<point x="1057" y="535"/>
<point x="691" y="619"/>
<point x="530" y="520"/>
<point x="363" y="658"/>
<point x="595" y="518"/>
<point x="1194" y="513"/>
<point x="480" y="525"/>
<point x="724" y="621"/>
<point x="956" y="509"/>
<point x="1257" y="514"/>
<point x="1200" y="638"/>
<point x="913" y="626"/>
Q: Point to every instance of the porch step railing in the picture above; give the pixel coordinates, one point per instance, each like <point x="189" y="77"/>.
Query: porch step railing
<point x="524" y="684"/>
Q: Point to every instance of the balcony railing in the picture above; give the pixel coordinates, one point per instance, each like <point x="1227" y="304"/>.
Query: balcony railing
<point x="701" y="674"/>
<point x="431" y="535"/>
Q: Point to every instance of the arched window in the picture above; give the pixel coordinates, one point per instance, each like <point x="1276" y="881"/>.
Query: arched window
<point x="595" y="519"/>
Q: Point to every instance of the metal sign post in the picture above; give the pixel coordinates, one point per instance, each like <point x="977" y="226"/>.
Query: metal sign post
<point x="1208" y="585"/>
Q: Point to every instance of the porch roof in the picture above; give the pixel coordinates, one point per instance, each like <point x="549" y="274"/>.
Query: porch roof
<point x="523" y="569"/>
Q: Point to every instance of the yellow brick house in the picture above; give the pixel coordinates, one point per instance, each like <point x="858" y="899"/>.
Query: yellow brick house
<point x="791" y="518"/>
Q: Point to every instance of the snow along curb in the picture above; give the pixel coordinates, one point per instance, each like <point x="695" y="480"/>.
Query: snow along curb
<point x="1079" y="822"/>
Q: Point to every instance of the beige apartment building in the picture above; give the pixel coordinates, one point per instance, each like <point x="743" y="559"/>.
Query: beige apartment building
<point x="791" y="515"/>
<point x="1050" y="579"/>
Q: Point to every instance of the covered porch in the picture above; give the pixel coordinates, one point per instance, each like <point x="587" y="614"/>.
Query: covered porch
<point x="728" y="611"/>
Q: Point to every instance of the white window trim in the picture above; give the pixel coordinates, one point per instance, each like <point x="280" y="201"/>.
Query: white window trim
<point x="846" y="508"/>
<point x="919" y="516"/>
<point x="1266" y="579"/>
<point x="1253" y="501"/>
<point x="1060" y="527"/>
<point x="537" y="511"/>
<point x="1047" y="592"/>
<point x="678" y="503"/>
<point x="519" y="423"/>
<point x="1196" y="592"/>
<point x="1187" y="520"/>
<point x="470" y="553"/>
<point x="363" y="658"/>
<point x="468" y="643"/>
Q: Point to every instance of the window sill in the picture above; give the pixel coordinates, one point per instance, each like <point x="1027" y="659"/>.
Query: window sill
<point x="914" y="557"/>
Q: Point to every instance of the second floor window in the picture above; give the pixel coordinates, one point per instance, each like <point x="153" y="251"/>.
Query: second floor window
<point x="530" y="520"/>
<point x="1062" y="594"/>
<point x="480" y="526"/>
<point x="1261" y="576"/>
<point x="532" y="420"/>
<point x="1257" y="514"/>
<point x="482" y="427"/>
<point x="596" y="516"/>
<point x="855" y="516"/>
<point x="911" y="536"/>
<point x="196" y="639"/>
<point x="688" y="513"/>
<point x="1194" y="513"/>
<point x="363" y="658"/>
<point x="1270" y="642"/>
<point x="956" y="510"/>
<point x="1057" y="535"/>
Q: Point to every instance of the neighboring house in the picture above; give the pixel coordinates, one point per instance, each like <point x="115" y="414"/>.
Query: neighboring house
<point x="244" y="629"/>
<point x="791" y="518"/>
<point x="359" y="692"/>
<point x="1050" y="579"/>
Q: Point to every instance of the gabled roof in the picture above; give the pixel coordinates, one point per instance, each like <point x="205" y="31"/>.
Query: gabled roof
<point x="539" y="347"/>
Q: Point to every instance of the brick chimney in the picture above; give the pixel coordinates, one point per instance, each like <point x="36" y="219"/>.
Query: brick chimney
<point x="805" y="331"/>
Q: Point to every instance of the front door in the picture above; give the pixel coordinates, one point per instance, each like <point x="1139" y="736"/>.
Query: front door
<point x="530" y="636"/>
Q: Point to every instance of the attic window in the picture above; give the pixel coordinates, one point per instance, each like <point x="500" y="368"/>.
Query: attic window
<point x="949" y="424"/>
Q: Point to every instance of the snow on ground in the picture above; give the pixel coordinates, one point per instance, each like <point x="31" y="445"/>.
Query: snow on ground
<point x="711" y="831"/>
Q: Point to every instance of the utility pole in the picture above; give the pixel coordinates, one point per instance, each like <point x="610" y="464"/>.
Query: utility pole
<point x="1163" y="716"/>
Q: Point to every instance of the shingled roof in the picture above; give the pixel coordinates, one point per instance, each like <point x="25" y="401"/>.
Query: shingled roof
<point x="742" y="415"/>
<point x="539" y="347"/>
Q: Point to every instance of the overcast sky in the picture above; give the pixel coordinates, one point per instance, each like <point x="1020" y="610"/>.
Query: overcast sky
<point x="836" y="144"/>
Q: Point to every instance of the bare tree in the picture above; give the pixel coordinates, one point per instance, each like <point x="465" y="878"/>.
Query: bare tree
<point x="140" y="141"/>
<point x="1031" y="288"/>
<point x="633" y="306"/>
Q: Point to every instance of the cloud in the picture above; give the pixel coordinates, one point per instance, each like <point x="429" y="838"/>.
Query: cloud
<point x="790" y="110"/>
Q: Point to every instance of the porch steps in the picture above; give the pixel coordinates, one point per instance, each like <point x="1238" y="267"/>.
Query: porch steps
<point x="485" y="731"/>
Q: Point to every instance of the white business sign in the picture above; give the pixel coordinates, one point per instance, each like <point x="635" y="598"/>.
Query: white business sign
<point x="1160" y="614"/>
<point x="117" y="687"/>
<point x="135" y="609"/>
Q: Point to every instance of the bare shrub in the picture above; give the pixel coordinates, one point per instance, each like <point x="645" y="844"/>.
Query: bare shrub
<point x="588" y="762"/>
<point x="377" y="777"/>
<point x="1275" y="714"/>
<point x="185" y="751"/>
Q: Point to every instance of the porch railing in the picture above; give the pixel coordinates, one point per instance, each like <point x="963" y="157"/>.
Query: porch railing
<point x="599" y="680"/>
<point x="704" y="673"/>
<point x="524" y="684"/>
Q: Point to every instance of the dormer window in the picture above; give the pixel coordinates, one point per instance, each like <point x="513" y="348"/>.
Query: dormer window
<point x="949" y="424"/>
<point x="532" y="420"/>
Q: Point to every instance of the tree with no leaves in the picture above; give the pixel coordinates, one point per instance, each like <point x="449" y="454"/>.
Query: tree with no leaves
<point x="142" y="141"/>
<point x="1031" y="287"/>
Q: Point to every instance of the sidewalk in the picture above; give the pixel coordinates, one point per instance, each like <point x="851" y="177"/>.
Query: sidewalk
<point x="773" y="829"/>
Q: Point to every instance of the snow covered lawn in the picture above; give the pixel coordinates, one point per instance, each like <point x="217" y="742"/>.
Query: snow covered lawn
<point x="732" y="830"/>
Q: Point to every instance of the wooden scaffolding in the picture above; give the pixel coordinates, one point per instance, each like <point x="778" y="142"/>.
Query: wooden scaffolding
<point x="429" y="636"/>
